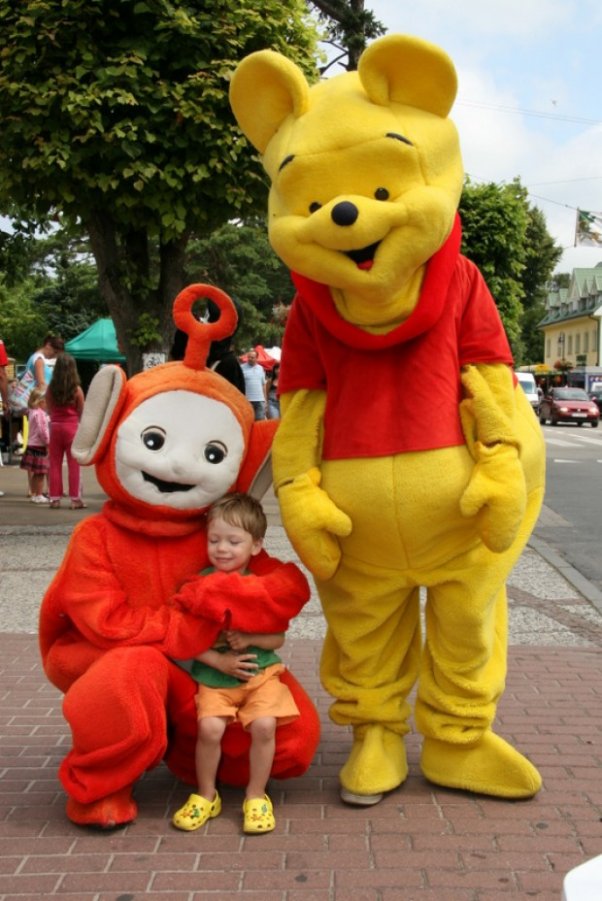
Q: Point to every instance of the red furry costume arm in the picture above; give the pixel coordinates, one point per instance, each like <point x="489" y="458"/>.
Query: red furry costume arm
<point x="263" y="601"/>
<point x="87" y="597"/>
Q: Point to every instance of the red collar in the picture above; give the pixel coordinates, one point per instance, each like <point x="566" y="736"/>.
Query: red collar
<point x="429" y="308"/>
<point x="160" y="527"/>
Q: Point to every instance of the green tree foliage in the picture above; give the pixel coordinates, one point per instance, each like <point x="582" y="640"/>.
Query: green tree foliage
<point x="542" y="255"/>
<point x="350" y="26"/>
<point x="22" y="323"/>
<point x="17" y="250"/>
<point x="116" y="115"/>
<point x="48" y="285"/>
<point x="238" y="258"/>
<point x="508" y="241"/>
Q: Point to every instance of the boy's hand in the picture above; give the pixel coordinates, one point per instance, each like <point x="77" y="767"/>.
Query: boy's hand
<point x="238" y="641"/>
<point x="241" y="666"/>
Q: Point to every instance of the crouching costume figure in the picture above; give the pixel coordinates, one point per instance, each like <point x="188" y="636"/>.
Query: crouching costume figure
<point x="166" y="444"/>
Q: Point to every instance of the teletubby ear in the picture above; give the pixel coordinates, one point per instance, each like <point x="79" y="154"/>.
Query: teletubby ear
<point x="103" y="404"/>
<point x="403" y="69"/>
<point x="265" y="88"/>
<point x="255" y="476"/>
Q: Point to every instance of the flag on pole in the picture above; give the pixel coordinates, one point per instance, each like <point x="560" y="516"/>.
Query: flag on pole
<point x="588" y="232"/>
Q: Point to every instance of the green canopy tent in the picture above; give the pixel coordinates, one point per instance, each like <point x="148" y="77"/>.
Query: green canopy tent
<point x="97" y="343"/>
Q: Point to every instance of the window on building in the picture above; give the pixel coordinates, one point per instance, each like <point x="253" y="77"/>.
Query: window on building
<point x="578" y="343"/>
<point x="569" y="348"/>
<point x="585" y="342"/>
<point x="548" y="348"/>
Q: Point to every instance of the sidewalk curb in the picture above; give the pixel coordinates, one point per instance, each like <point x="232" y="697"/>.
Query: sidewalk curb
<point x="568" y="572"/>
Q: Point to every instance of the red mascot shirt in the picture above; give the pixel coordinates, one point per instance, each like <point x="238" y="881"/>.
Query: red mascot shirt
<point x="397" y="392"/>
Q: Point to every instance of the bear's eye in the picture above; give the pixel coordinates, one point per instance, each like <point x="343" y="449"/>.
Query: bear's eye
<point x="315" y="206"/>
<point x="153" y="438"/>
<point x="215" y="452"/>
<point x="381" y="194"/>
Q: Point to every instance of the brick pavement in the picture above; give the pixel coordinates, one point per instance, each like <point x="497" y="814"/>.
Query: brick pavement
<point x="421" y="842"/>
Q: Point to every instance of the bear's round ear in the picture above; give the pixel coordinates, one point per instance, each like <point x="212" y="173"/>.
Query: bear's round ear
<point x="265" y="88"/>
<point x="403" y="69"/>
<point x="102" y="407"/>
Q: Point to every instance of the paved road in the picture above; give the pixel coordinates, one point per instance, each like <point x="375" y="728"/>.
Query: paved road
<point x="573" y="495"/>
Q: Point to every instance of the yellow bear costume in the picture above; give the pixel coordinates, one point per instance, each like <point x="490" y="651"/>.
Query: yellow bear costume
<point x="406" y="456"/>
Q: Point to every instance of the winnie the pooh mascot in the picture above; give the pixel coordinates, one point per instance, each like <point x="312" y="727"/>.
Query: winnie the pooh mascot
<point x="166" y="444"/>
<point x="407" y="456"/>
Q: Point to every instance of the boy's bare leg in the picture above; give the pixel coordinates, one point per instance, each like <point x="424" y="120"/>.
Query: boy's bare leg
<point x="208" y="753"/>
<point x="261" y="755"/>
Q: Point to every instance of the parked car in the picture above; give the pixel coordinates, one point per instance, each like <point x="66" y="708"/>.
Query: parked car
<point x="596" y="395"/>
<point x="527" y="382"/>
<point x="569" y="405"/>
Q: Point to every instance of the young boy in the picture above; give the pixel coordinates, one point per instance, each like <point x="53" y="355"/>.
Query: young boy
<point x="238" y="679"/>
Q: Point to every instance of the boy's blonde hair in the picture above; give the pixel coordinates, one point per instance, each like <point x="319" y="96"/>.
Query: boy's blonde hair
<point x="242" y="511"/>
<point x="35" y="398"/>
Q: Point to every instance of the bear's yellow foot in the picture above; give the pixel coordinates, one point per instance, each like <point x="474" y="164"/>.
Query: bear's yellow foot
<point x="489" y="767"/>
<point x="377" y="763"/>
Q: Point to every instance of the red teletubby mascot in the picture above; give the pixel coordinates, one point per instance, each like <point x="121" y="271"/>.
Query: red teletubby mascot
<point x="166" y="444"/>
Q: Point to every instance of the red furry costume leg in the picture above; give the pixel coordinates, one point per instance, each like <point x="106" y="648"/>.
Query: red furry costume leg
<point x="120" y="713"/>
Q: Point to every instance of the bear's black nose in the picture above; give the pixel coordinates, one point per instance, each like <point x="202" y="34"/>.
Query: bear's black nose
<point x="344" y="213"/>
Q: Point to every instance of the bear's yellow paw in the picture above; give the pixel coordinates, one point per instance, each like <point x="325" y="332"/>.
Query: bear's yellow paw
<point x="377" y="763"/>
<point x="489" y="767"/>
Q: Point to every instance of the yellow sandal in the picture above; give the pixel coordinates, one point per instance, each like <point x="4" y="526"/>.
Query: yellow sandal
<point x="258" y="815"/>
<point x="196" y="812"/>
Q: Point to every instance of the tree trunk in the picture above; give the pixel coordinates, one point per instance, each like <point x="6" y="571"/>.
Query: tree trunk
<point x="124" y="279"/>
<point x="172" y="257"/>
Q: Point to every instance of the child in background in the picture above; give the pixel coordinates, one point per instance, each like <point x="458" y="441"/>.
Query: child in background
<point x="35" y="458"/>
<point x="65" y="402"/>
<point x="238" y="679"/>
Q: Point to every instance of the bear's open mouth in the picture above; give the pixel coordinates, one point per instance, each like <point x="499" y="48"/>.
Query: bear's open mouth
<point x="166" y="487"/>
<point x="364" y="257"/>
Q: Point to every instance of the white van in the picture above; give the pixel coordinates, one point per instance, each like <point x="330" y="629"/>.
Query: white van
<point x="527" y="382"/>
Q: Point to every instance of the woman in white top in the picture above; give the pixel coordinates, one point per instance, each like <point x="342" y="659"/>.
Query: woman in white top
<point x="41" y="362"/>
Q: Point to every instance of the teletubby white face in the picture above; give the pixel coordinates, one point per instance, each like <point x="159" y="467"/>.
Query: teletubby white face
<point x="179" y="449"/>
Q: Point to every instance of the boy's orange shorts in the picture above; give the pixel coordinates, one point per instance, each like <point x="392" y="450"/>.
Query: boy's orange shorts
<point x="262" y="695"/>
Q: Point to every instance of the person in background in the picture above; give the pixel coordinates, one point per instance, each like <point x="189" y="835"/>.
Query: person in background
<point x="272" y="389"/>
<point x="65" y="403"/>
<point x="35" y="458"/>
<point x="222" y="357"/>
<point x="255" y="384"/>
<point x="3" y="378"/>
<point x="41" y="362"/>
<point x="4" y="392"/>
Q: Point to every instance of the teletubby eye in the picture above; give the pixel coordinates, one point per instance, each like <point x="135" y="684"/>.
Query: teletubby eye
<point x="215" y="452"/>
<point x="315" y="206"/>
<point x="153" y="438"/>
<point x="381" y="194"/>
